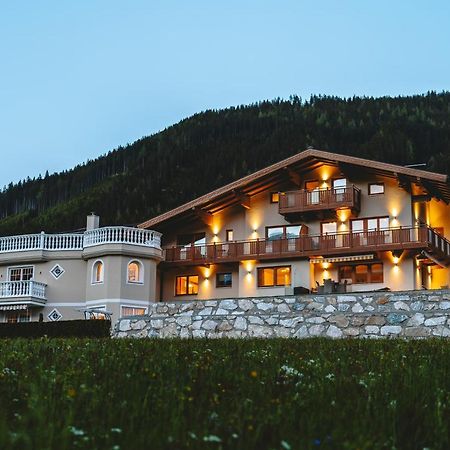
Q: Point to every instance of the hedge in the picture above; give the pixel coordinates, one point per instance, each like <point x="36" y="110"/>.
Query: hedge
<point x="67" y="328"/>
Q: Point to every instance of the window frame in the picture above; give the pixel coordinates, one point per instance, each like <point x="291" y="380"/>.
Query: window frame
<point x="365" y="221"/>
<point x="94" y="280"/>
<point x="134" y="307"/>
<point x="272" y="194"/>
<point x="18" y="313"/>
<point x="218" y="286"/>
<point x="376" y="184"/>
<point x="140" y="280"/>
<point x="187" y="284"/>
<point x="284" y="227"/>
<point x="369" y="272"/>
<point x="275" y="269"/>
<point x="21" y="268"/>
<point x="227" y="236"/>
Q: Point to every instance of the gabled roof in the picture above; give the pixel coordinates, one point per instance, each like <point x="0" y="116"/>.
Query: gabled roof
<point x="437" y="185"/>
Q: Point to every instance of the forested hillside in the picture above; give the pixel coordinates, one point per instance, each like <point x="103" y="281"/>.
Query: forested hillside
<point x="209" y="149"/>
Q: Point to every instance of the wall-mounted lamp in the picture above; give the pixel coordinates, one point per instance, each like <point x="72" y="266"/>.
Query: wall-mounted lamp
<point x="396" y="260"/>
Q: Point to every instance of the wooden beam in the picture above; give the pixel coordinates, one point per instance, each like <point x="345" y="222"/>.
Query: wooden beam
<point x="244" y="199"/>
<point x="205" y="216"/>
<point x="404" y="182"/>
<point x="420" y="198"/>
<point x="348" y="170"/>
<point x="433" y="191"/>
<point x="294" y="177"/>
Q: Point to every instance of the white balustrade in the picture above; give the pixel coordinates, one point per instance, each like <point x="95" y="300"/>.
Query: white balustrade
<point x="122" y="235"/>
<point x="20" y="289"/>
<point x="78" y="241"/>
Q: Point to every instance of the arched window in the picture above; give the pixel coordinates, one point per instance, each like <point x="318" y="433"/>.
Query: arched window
<point x="97" y="272"/>
<point x="135" y="272"/>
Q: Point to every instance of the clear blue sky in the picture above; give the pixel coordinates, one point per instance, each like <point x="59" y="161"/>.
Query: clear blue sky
<point x="79" y="78"/>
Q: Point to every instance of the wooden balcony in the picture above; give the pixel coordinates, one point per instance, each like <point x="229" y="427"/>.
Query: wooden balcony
<point x="295" y="204"/>
<point x="404" y="238"/>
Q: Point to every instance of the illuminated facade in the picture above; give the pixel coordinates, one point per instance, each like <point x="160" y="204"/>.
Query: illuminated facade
<point x="313" y="222"/>
<point x="316" y="221"/>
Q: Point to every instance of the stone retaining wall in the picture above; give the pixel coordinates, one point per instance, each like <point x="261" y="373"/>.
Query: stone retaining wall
<point x="368" y="315"/>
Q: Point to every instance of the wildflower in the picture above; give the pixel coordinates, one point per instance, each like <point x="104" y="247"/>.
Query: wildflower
<point x="253" y="373"/>
<point x="212" y="438"/>
<point x="76" y="431"/>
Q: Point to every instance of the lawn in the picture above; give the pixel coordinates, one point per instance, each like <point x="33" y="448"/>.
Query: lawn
<point x="234" y="394"/>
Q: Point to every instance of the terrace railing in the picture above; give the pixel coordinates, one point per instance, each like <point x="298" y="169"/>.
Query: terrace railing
<point x="79" y="241"/>
<point x="339" y="243"/>
<point x="22" y="289"/>
<point x="302" y="201"/>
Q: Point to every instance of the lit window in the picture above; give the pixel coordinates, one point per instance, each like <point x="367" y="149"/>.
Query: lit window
<point x="16" y="316"/>
<point x="97" y="272"/>
<point x="224" y="279"/>
<point x="362" y="273"/>
<point x="274" y="276"/>
<point x="376" y="273"/>
<point x="186" y="285"/>
<point x="376" y="188"/>
<point x="132" y="311"/>
<point x="274" y="197"/>
<point x="229" y="235"/>
<point x="134" y="272"/>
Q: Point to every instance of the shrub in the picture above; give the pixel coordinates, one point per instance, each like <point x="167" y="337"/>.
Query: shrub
<point x="68" y="328"/>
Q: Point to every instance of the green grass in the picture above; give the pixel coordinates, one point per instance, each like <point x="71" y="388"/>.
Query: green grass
<point x="252" y="394"/>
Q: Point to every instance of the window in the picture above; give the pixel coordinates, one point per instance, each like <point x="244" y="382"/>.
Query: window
<point x="362" y="273"/>
<point x="224" y="280"/>
<point x="274" y="276"/>
<point x="376" y="188"/>
<point x="132" y="311"/>
<point x="186" y="285"/>
<point x="329" y="227"/>
<point x="97" y="272"/>
<point x="339" y="185"/>
<point x="135" y="272"/>
<point x="21" y="273"/>
<point x="373" y="224"/>
<point x="17" y="316"/>
<point x="283" y="232"/>
<point x="229" y="235"/>
<point x="274" y="197"/>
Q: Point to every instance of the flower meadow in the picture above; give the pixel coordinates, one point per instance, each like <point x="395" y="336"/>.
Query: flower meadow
<point x="224" y="394"/>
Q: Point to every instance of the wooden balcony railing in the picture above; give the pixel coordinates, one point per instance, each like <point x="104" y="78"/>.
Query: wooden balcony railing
<point x="303" y="201"/>
<point x="331" y="244"/>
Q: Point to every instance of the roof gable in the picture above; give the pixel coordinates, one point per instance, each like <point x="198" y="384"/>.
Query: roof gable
<point x="238" y="191"/>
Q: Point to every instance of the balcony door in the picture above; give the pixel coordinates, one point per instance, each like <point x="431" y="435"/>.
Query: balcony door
<point x="283" y="238"/>
<point x="371" y="231"/>
<point x="329" y="232"/>
<point x="339" y="185"/>
<point x="312" y="192"/>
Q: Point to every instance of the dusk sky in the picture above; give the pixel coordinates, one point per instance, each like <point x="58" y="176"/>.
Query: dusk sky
<point x="80" y="78"/>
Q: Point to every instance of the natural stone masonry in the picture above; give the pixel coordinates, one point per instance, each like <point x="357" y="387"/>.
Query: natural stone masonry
<point x="411" y="314"/>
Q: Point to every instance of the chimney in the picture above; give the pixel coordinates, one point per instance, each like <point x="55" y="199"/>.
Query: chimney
<point x="92" y="222"/>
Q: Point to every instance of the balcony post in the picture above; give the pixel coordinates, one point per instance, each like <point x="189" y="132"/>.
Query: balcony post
<point x="42" y="240"/>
